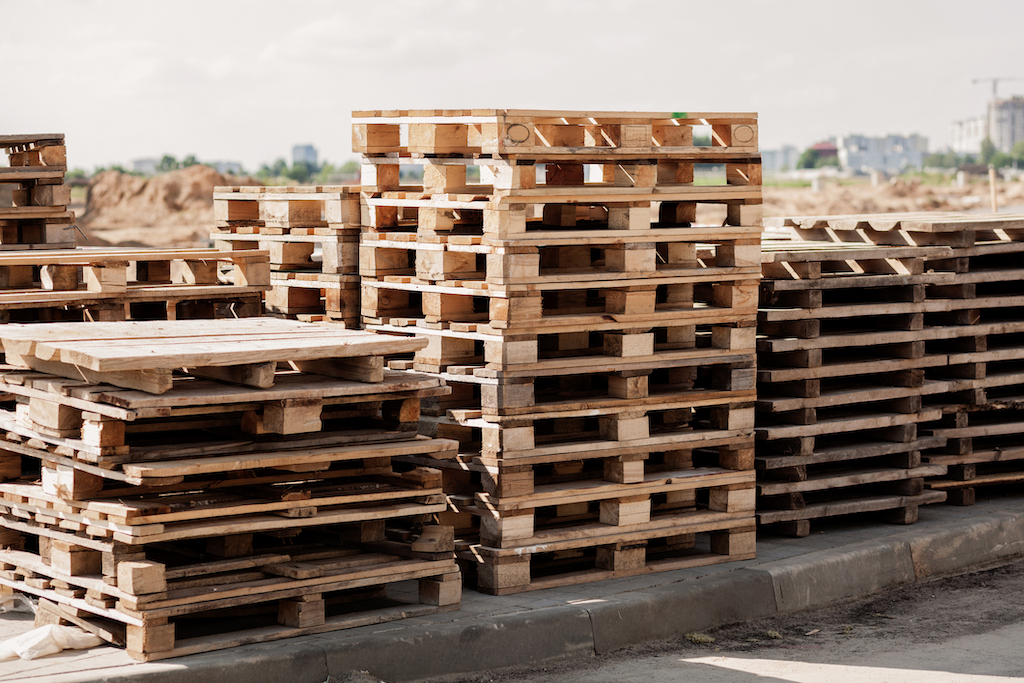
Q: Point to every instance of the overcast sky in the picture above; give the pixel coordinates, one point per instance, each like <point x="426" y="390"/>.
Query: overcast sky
<point x="233" y="80"/>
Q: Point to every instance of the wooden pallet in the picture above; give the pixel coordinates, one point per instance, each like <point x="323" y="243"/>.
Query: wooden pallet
<point x="846" y="363"/>
<point x="895" y="509"/>
<point x="146" y="354"/>
<point x="306" y="228"/>
<point x="287" y="210"/>
<point x="924" y="222"/>
<point x="981" y="447"/>
<point x="599" y="212"/>
<point x="551" y="135"/>
<point x="299" y="252"/>
<point x="595" y="552"/>
<point x="74" y="276"/>
<point x="313" y="297"/>
<point x="39" y="217"/>
<point x="265" y="483"/>
<point x="642" y="158"/>
<point x="465" y="262"/>
<point x="626" y="307"/>
<point x="202" y="601"/>
<point x="967" y="327"/>
<point x="594" y="320"/>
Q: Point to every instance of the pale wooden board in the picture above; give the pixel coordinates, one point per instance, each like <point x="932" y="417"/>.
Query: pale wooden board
<point x="849" y="507"/>
<point x="923" y="221"/>
<point x="595" y="534"/>
<point x="87" y="255"/>
<point x="106" y="347"/>
<point x="823" y="482"/>
<point x="588" y="491"/>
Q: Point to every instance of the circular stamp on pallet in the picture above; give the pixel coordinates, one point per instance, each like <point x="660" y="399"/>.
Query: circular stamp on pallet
<point x="742" y="134"/>
<point x="517" y="133"/>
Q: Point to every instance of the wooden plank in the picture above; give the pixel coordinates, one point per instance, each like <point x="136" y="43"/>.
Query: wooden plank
<point x="286" y="386"/>
<point x="849" y="507"/>
<point x="327" y="454"/>
<point x="588" y="491"/>
<point x="824" y="482"/>
<point x="591" y="534"/>
<point x="258" y="375"/>
<point x="150" y="380"/>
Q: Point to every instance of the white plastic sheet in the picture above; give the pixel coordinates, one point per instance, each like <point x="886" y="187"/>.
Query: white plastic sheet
<point x="47" y="640"/>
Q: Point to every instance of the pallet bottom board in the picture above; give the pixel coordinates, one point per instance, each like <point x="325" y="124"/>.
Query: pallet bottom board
<point x="848" y="507"/>
<point x="542" y="565"/>
<point x="210" y="643"/>
<point x="994" y="479"/>
<point x="236" y="625"/>
<point x="592" y="575"/>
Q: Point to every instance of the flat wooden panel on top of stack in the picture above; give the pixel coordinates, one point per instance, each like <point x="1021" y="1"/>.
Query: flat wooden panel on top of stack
<point x="598" y="334"/>
<point x="250" y="496"/>
<point x="841" y="376"/>
<point x="312" y="234"/>
<point x="39" y="218"/>
<point x="69" y="285"/>
<point x="973" y="336"/>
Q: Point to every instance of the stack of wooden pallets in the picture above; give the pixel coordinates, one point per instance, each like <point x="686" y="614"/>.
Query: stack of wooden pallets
<point x="841" y="376"/>
<point x="44" y="278"/>
<point x="597" y="332"/>
<point x="118" y="284"/>
<point x="312" y="235"/>
<point x="181" y="488"/>
<point x="972" y="332"/>
<point x="40" y="218"/>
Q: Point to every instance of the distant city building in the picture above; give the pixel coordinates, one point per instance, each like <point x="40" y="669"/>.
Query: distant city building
<point x="775" y="160"/>
<point x="1003" y="125"/>
<point x="1006" y="122"/>
<point x="228" y="167"/>
<point x="966" y="135"/>
<point x="891" y="154"/>
<point x="825" y="150"/>
<point x="305" y="154"/>
<point x="145" y="166"/>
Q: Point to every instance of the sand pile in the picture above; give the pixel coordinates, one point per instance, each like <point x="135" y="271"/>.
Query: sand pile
<point x="170" y="210"/>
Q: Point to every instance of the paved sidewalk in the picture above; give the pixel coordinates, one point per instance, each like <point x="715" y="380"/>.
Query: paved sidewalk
<point x="789" y="574"/>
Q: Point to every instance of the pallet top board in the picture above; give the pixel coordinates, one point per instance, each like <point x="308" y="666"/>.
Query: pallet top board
<point x="18" y="213"/>
<point x="479" y="199"/>
<point x="926" y="221"/>
<point x="91" y="255"/>
<point x="253" y="192"/>
<point x="779" y="251"/>
<point x="17" y="174"/>
<point x="119" y="346"/>
<point x="35" y="140"/>
<point x="553" y="115"/>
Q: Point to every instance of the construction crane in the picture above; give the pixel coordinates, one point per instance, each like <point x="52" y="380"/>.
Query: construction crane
<point x="995" y="83"/>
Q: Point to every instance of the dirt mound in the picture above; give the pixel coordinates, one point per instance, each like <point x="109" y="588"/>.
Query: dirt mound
<point x="895" y="196"/>
<point x="170" y="210"/>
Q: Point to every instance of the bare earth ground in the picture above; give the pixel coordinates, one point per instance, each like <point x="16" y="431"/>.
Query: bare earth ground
<point x="962" y="628"/>
<point x="176" y="209"/>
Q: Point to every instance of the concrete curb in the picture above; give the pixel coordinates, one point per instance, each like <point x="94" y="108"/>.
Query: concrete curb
<point x="965" y="546"/>
<point x="829" y="576"/>
<point x="670" y="610"/>
<point x="517" y="639"/>
<point x="598" y="626"/>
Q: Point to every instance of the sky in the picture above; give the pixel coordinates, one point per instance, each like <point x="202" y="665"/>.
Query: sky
<point x="247" y="80"/>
